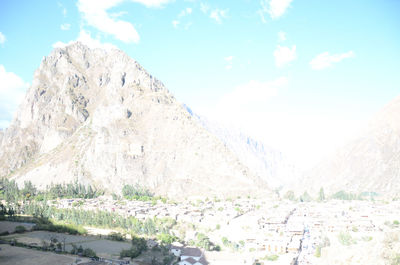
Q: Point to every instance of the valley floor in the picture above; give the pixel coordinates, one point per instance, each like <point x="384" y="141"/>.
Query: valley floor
<point x="277" y="232"/>
<point x="252" y="231"/>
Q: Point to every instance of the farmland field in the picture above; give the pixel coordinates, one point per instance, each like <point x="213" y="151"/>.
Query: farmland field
<point x="103" y="247"/>
<point x="15" y="255"/>
<point x="6" y="226"/>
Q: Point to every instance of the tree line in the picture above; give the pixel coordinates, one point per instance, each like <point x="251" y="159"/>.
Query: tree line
<point x="10" y="192"/>
<point x="98" y="218"/>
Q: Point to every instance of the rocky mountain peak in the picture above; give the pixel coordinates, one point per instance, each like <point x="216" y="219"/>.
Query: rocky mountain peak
<point x="96" y="116"/>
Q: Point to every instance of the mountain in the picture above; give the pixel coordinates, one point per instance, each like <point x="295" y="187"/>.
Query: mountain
<point x="96" y="116"/>
<point x="268" y="163"/>
<point x="369" y="163"/>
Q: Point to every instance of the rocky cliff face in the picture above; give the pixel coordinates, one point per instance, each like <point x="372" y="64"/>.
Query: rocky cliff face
<point x="369" y="163"/>
<point x="98" y="117"/>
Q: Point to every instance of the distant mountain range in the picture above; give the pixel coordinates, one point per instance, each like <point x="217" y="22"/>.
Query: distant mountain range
<point x="268" y="163"/>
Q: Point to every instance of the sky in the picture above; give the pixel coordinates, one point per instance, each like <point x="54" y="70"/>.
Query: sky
<point x="301" y="76"/>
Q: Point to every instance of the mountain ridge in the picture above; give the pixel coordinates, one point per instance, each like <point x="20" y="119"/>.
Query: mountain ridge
<point x="368" y="163"/>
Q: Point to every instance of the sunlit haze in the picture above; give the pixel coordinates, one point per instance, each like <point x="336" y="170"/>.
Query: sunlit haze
<point x="301" y="76"/>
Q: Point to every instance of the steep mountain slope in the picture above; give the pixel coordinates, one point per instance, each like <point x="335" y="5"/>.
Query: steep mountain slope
<point x="97" y="116"/>
<point x="369" y="163"/>
<point x="270" y="164"/>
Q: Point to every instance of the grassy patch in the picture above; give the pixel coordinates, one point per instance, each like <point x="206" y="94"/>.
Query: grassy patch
<point x="271" y="257"/>
<point x="346" y="239"/>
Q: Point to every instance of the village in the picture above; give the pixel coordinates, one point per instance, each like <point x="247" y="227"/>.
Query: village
<point x="257" y="231"/>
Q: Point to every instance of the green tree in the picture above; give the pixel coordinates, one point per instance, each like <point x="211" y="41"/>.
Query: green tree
<point x="167" y="238"/>
<point x="88" y="252"/>
<point x="321" y="197"/>
<point x="289" y="195"/>
<point x="29" y="190"/>
<point x="305" y="197"/>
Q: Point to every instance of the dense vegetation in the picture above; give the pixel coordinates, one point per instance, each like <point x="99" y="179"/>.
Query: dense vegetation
<point x="136" y="193"/>
<point x="139" y="193"/>
<point x="99" y="219"/>
<point x="346" y="239"/>
<point x="138" y="246"/>
<point x="86" y="252"/>
<point x="11" y="193"/>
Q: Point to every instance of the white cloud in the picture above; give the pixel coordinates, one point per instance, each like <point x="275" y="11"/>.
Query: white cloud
<point x="175" y="23"/>
<point x="275" y="8"/>
<point x="151" y="3"/>
<point x="218" y="14"/>
<point x="95" y="14"/>
<point x="118" y="14"/>
<point x="284" y="55"/>
<point x="281" y="36"/>
<point x="325" y="60"/>
<point x="12" y="91"/>
<point x="65" y="26"/>
<point x="204" y="7"/>
<point x="229" y="60"/>
<point x="2" y="38"/>
<point x="86" y="38"/>
<point x="64" y="10"/>
<point x="185" y="12"/>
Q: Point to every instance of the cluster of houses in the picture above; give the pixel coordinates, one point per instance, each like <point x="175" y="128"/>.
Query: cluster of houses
<point x="204" y="212"/>
<point x="287" y="228"/>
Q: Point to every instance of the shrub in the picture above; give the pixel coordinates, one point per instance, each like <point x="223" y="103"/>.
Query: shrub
<point x="20" y="229"/>
<point x="115" y="236"/>
<point x="396" y="260"/>
<point x="289" y="195"/>
<point x="132" y="253"/>
<point x="343" y="195"/>
<point x="167" y="238"/>
<point x="203" y="241"/>
<point x="366" y="238"/>
<point x="346" y="239"/>
<point x="136" y="193"/>
<point x="88" y="252"/>
<point x="138" y="246"/>
<point x="318" y="251"/>
<point x="272" y="257"/>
